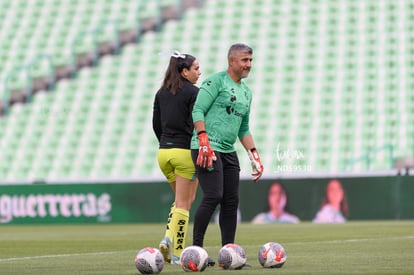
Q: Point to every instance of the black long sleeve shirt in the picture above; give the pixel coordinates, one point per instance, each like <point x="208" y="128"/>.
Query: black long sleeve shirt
<point x="172" y="121"/>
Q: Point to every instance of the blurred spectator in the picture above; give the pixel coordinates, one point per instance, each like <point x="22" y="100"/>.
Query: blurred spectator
<point x="334" y="208"/>
<point x="276" y="199"/>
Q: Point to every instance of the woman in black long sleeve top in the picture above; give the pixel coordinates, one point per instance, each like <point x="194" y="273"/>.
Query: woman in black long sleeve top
<point x="173" y="125"/>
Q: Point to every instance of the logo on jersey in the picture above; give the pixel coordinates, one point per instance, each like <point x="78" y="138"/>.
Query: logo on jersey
<point x="231" y="111"/>
<point x="230" y="108"/>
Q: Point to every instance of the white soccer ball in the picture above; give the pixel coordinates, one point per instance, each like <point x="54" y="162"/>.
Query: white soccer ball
<point x="194" y="259"/>
<point x="232" y="256"/>
<point x="272" y="255"/>
<point x="149" y="260"/>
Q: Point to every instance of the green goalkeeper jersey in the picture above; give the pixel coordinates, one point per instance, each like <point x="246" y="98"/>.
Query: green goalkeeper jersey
<point x="224" y="106"/>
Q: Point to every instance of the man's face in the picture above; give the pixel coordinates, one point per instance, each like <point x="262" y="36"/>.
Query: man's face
<point x="241" y="63"/>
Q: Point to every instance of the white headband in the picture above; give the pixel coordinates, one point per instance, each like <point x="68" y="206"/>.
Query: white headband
<point x="177" y="54"/>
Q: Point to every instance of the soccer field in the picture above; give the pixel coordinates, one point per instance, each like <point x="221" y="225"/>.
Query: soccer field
<point x="380" y="247"/>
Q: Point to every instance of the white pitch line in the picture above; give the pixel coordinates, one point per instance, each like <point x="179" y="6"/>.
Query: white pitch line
<point x="331" y="241"/>
<point x="58" y="255"/>
<point x="345" y="241"/>
<point x="357" y="240"/>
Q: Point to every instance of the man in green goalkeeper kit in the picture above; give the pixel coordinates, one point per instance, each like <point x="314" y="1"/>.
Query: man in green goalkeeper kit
<point x="221" y="115"/>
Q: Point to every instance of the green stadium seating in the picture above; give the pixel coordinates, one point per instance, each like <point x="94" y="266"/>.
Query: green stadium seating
<point x="331" y="81"/>
<point x="34" y="27"/>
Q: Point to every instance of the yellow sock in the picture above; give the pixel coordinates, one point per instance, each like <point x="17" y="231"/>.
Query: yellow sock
<point x="179" y="223"/>
<point x="168" y="231"/>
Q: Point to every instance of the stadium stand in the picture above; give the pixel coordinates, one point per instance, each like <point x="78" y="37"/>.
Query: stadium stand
<point x="333" y="84"/>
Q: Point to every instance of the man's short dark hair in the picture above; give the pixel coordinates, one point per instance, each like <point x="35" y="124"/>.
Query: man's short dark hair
<point x="239" y="47"/>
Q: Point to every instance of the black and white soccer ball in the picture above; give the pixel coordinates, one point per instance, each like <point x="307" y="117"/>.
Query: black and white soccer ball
<point x="272" y="255"/>
<point x="232" y="256"/>
<point x="149" y="260"/>
<point x="194" y="259"/>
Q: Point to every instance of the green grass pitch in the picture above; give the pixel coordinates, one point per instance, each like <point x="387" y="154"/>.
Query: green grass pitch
<point x="375" y="247"/>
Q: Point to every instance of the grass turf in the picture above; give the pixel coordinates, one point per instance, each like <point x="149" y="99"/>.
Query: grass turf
<point x="375" y="247"/>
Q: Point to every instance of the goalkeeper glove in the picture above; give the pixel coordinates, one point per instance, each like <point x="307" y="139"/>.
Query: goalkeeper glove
<point x="257" y="165"/>
<point x="205" y="154"/>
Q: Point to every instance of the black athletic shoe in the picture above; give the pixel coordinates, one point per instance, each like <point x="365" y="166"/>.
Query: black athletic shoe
<point x="210" y="262"/>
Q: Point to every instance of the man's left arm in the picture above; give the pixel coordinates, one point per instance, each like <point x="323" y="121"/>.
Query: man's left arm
<point x="247" y="141"/>
<point x="257" y="166"/>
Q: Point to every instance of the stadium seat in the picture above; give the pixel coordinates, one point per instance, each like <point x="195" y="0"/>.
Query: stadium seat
<point x="330" y="79"/>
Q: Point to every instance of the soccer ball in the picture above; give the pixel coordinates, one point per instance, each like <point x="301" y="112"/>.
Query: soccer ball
<point x="272" y="255"/>
<point x="149" y="260"/>
<point x="232" y="256"/>
<point x="194" y="259"/>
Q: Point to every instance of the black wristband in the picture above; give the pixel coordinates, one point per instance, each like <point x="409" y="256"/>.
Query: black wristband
<point x="201" y="132"/>
<point x="253" y="149"/>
